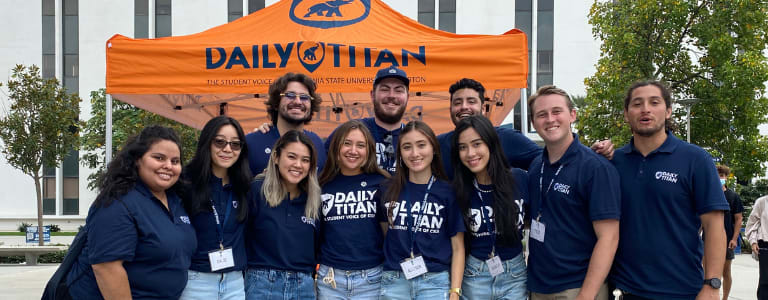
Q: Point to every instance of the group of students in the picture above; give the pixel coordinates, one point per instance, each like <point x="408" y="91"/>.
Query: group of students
<point x="379" y="221"/>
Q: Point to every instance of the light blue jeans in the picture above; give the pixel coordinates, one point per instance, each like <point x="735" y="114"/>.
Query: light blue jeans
<point x="428" y="286"/>
<point x="221" y="286"/>
<point x="350" y="284"/>
<point x="268" y="284"/>
<point x="478" y="283"/>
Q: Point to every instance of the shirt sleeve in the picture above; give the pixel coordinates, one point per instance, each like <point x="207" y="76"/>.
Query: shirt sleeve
<point x="753" y="223"/>
<point x="738" y="206"/>
<point x="707" y="190"/>
<point x="605" y="192"/>
<point x="112" y="234"/>
<point x="381" y="209"/>
<point x="453" y="213"/>
<point x="519" y="149"/>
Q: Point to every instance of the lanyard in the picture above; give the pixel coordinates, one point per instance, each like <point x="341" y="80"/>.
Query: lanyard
<point x="219" y="225"/>
<point x="419" y="215"/>
<point x="486" y="219"/>
<point x="543" y="193"/>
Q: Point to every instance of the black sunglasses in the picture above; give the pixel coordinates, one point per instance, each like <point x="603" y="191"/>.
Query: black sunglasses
<point x="292" y="96"/>
<point x="221" y="144"/>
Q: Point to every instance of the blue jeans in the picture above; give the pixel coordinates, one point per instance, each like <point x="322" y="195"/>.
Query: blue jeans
<point x="268" y="284"/>
<point x="428" y="286"/>
<point x="478" y="283"/>
<point x="350" y="284"/>
<point x="203" y="286"/>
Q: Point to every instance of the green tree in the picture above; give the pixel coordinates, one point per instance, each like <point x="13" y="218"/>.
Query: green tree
<point x="127" y="121"/>
<point x="40" y="128"/>
<point x="710" y="50"/>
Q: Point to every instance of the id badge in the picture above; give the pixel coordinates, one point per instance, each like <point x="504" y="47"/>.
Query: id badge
<point x="537" y="230"/>
<point x="495" y="267"/>
<point x="221" y="259"/>
<point x="413" y="267"/>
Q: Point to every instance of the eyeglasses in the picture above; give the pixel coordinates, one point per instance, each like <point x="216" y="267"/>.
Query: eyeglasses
<point x="292" y="96"/>
<point x="234" y="145"/>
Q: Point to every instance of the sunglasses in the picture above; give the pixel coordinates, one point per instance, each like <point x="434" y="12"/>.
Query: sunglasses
<point x="234" y="145"/>
<point x="292" y="96"/>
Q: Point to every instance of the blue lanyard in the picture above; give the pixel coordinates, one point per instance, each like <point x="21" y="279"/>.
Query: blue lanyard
<point x="419" y="215"/>
<point x="486" y="219"/>
<point x="542" y="193"/>
<point x="220" y="225"/>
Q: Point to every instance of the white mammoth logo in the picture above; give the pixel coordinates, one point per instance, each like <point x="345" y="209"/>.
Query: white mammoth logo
<point x="327" y="203"/>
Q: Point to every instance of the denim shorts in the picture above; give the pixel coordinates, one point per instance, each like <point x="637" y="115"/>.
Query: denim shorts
<point x="221" y="286"/>
<point x="350" y="284"/>
<point x="478" y="283"/>
<point x="428" y="286"/>
<point x="268" y="284"/>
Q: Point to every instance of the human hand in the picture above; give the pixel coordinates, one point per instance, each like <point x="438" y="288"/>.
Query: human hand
<point x="732" y="244"/>
<point x="263" y="128"/>
<point x="708" y="293"/>
<point x="755" y="248"/>
<point x="604" y="148"/>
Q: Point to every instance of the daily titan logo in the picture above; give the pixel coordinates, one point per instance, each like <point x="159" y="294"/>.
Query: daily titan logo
<point x="329" y="13"/>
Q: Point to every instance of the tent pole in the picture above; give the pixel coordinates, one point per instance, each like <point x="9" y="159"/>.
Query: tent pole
<point x="108" y="130"/>
<point x="523" y="111"/>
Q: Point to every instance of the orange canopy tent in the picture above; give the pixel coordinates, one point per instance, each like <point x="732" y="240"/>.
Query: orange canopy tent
<point x="339" y="43"/>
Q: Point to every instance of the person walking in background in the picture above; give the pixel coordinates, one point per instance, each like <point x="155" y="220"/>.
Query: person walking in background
<point x="732" y="222"/>
<point x="757" y="234"/>
<point x="217" y="180"/>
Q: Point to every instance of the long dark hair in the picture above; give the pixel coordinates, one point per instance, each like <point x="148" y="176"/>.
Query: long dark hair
<point x="197" y="174"/>
<point x="396" y="183"/>
<point x="331" y="168"/>
<point x="505" y="211"/>
<point x="123" y="172"/>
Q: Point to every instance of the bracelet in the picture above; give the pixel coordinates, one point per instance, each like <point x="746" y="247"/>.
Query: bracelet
<point x="456" y="290"/>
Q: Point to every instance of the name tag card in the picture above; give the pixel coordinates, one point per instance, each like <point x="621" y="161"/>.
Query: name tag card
<point x="495" y="267"/>
<point x="221" y="259"/>
<point x="537" y="230"/>
<point x="413" y="267"/>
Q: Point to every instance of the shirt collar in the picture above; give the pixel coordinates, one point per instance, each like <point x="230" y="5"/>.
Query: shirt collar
<point x="569" y="154"/>
<point x="669" y="145"/>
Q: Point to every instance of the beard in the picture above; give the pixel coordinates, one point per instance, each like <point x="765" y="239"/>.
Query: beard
<point x="293" y="120"/>
<point x="649" y="131"/>
<point x="384" y="117"/>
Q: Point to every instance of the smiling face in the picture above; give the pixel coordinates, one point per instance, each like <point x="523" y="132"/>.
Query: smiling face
<point x="416" y="151"/>
<point x="464" y="103"/>
<point x="474" y="153"/>
<point x="552" y="118"/>
<point x="353" y="152"/>
<point x="646" y="111"/>
<point x="295" y="111"/>
<point x="223" y="158"/>
<point x="390" y="98"/>
<point x="160" y="166"/>
<point x="293" y="163"/>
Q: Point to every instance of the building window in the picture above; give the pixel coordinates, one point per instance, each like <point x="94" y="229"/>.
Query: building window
<point x="71" y="186"/>
<point x="447" y="18"/>
<point x="524" y="22"/>
<point x="163" y="18"/>
<point x="71" y="71"/>
<point x="254" y="5"/>
<point x="140" y="19"/>
<point x="427" y="12"/>
<point x="234" y="10"/>
<point x="48" y="68"/>
<point x="49" y="190"/>
<point x="544" y="43"/>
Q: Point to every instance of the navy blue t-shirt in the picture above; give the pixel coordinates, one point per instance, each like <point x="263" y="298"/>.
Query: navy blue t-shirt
<point x="208" y="234"/>
<point x="351" y="237"/>
<point x="480" y="244"/>
<point x="439" y="220"/>
<point x="663" y="196"/>
<point x="280" y="237"/>
<point x="386" y="144"/>
<point x="155" y="244"/>
<point x="518" y="149"/>
<point x="260" y="147"/>
<point x="585" y="190"/>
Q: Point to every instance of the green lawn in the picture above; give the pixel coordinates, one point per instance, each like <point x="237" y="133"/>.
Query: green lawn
<point x="16" y="233"/>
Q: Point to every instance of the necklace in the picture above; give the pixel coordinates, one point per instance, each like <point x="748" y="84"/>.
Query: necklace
<point x="477" y="187"/>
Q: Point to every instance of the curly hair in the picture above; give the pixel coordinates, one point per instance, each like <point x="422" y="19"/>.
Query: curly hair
<point x="278" y="87"/>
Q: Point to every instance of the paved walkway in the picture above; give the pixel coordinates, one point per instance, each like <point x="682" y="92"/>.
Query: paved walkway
<point x="27" y="282"/>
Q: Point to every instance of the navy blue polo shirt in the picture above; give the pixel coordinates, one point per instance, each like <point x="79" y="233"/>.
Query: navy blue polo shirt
<point x="439" y="220"/>
<point x="155" y="244"/>
<point x="585" y="190"/>
<point x="208" y="234"/>
<point x="480" y="245"/>
<point x="260" y="147"/>
<point x="281" y="237"/>
<point x="385" y="155"/>
<point x="663" y="196"/>
<point x="351" y="234"/>
<point x="518" y="149"/>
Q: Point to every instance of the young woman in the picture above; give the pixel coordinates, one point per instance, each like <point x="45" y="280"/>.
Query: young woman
<point x="423" y="247"/>
<point x="351" y="239"/>
<point x="491" y="198"/>
<point x="282" y="228"/>
<point x="140" y="240"/>
<point x="217" y="180"/>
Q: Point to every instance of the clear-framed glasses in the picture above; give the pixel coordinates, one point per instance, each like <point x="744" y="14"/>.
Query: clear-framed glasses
<point x="292" y="96"/>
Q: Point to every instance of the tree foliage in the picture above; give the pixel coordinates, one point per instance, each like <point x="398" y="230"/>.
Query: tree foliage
<point x="127" y="121"/>
<point x="710" y="50"/>
<point x="40" y="127"/>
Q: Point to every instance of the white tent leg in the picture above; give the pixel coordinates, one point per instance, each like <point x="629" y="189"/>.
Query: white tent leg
<point x="108" y="137"/>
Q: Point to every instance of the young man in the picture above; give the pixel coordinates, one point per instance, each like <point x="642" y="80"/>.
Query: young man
<point x="389" y="97"/>
<point x="669" y="190"/>
<point x="292" y="101"/>
<point x="575" y="207"/>
<point x="732" y="225"/>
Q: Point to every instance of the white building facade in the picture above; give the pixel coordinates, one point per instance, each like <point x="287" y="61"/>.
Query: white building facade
<point x="67" y="38"/>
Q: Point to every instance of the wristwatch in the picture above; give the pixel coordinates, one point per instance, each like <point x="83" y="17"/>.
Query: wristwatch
<point x="713" y="282"/>
<point x="456" y="290"/>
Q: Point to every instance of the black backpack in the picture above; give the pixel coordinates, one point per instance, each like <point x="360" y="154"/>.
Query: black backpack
<point x="56" y="288"/>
